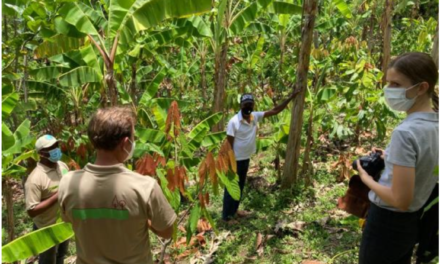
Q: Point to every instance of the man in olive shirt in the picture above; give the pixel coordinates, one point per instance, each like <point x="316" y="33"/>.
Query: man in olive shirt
<point x="111" y="208"/>
<point x="41" y="193"/>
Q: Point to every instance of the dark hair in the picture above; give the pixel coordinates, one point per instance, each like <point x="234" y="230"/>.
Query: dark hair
<point x="418" y="67"/>
<point x="109" y="126"/>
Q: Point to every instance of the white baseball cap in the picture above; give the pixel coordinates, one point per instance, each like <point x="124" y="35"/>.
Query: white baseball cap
<point x="45" y="142"/>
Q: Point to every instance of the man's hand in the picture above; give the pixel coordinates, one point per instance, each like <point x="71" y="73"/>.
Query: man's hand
<point x="43" y="205"/>
<point x="277" y="109"/>
<point x="295" y="93"/>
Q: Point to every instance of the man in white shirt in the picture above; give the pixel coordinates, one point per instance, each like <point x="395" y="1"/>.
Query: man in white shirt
<point x="242" y="133"/>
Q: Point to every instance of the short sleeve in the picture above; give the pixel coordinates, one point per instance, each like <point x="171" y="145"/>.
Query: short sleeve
<point x="230" y="130"/>
<point x="258" y="116"/>
<point x="402" y="149"/>
<point x="160" y="213"/>
<point x="61" y="199"/>
<point x="33" y="195"/>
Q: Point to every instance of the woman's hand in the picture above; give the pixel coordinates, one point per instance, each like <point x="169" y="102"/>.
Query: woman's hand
<point x="362" y="173"/>
<point x="374" y="150"/>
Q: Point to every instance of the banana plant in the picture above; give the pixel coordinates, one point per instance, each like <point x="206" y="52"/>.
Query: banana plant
<point x="112" y="32"/>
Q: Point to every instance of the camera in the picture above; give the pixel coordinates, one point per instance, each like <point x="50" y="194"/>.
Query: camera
<point x="372" y="164"/>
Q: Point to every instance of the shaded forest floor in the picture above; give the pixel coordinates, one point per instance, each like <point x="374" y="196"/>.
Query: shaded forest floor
<point x="299" y="225"/>
<point x="286" y="226"/>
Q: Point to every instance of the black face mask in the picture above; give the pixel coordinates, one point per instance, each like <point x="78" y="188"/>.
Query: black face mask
<point x="247" y="110"/>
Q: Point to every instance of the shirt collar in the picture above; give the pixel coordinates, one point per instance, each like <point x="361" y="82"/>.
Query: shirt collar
<point x="240" y="117"/>
<point x="45" y="168"/>
<point x="433" y="117"/>
<point x="104" y="170"/>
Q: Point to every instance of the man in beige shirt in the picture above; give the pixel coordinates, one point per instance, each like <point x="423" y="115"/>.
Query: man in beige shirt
<point x="41" y="193"/>
<point x="111" y="207"/>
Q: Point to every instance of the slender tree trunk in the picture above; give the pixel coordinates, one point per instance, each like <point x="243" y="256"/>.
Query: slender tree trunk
<point x="386" y="27"/>
<point x="415" y="10"/>
<point x="25" y="77"/>
<point x="5" y="28"/>
<point x="220" y="82"/>
<point x="316" y="39"/>
<point x="203" y="83"/>
<point x="294" y="143"/>
<point x="307" y="169"/>
<point x="7" y="192"/>
<point x="133" y="83"/>
<point x="282" y="50"/>
<point x="111" y="86"/>
<point x="371" y="35"/>
<point x="434" y="52"/>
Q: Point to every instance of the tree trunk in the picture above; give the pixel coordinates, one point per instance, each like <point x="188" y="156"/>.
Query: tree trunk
<point x="133" y="83"/>
<point x="434" y="52"/>
<point x="316" y="39"/>
<point x="5" y="29"/>
<point x="7" y="192"/>
<point x="282" y="50"/>
<point x="294" y="143"/>
<point x="386" y="27"/>
<point x="203" y="83"/>
<point x="370" y="40"/>
<point x="307" y="169"/>
<point x="220" y="82"/>
<point x="25" y="77"/>
<point x="415" y="10"/>
<point x="111" y="86"/>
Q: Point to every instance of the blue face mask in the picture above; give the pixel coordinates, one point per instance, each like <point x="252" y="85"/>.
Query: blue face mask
<point x="55" y="155"/>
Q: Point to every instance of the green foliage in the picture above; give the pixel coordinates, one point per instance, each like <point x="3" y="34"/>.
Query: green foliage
<point x="36" y="242"/>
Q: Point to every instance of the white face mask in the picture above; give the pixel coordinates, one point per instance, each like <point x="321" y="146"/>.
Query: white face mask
<point x="397" y="100"/>
<point x="130" y="154"/>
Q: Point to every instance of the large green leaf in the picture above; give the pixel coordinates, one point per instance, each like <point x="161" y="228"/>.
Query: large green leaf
<point x="67" y="30"/>
<point x="219" y="29"/>
<point x="48" y="89"/>
<point x="48" y="73"/>
<point x="8" y="139"/>
<point x="230" y="181"/>
<point x="197" y="139"/>
<point x="286" y="8"/>
<point x="9" y="101"/>
<point x="56" y="45"/>
<point x="256" y="55"/>
<point x="325" y="94"/>
<point x="36" y="242"/>
<point x="160" y="115"/>
<point x="205" y="124"/>
<point x="194" y="26"/>
<point x="213" y="139"/>
<point x="342" y="7"/>
<point x="192" y="222"/>
<point x="22" y="136"/>
<point x="247" y="15"/>
<point x="74" y="14"/>
<point x="172" y="197"/>
<point x="80" y="76"/>
<point x="152" y="88"/>
<point x="130" y="17"/>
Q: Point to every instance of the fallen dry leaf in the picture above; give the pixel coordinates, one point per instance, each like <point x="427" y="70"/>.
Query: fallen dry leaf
<point x="297" y="226"/>
<point x="203" y="226"/>
<point x="186" y="253"/>
<point x="312" y="262"/>
<point x="259" y="241"/>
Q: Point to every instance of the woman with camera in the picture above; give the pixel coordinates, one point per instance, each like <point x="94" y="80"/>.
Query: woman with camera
<point x="411" y="158"/>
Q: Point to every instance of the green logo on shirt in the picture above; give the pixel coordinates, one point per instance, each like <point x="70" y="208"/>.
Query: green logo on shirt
<point x="100" y="213"/>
